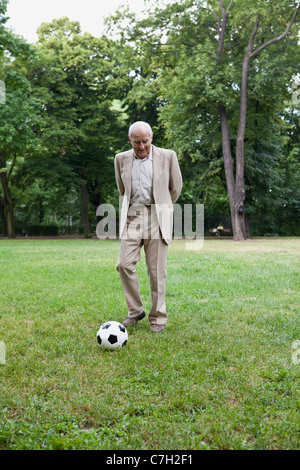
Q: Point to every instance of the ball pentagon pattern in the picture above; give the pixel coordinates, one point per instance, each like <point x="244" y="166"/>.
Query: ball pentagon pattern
<point x="112" y="335"/>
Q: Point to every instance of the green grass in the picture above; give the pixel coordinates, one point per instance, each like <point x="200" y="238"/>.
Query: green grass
<point x="221" y="376"/>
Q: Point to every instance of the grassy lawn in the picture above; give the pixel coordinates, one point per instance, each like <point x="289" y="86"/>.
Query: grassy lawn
<point x="221" y="376"/>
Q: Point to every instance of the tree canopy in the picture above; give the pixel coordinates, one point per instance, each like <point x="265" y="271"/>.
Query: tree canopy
<point x="212" y="63"/>
<point x="214" y="78"/>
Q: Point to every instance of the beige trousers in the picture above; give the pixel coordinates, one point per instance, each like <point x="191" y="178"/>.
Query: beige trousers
<point x="142" y="230"/>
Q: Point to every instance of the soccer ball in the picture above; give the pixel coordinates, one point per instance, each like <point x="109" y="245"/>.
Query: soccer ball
<point x="112" y="335"/>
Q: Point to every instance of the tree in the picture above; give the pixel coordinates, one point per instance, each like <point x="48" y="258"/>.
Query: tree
<point x="10" y="142"/>
<point x="214" y="62"/>
<point x="17" y="115"/>
<point x="77" y="78"/>
<point x="236" y="185"/>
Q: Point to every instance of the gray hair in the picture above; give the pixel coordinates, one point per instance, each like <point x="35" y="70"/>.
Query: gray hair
<point x="138" y="123"/>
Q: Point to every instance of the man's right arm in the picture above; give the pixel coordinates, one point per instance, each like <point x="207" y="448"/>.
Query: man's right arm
<point x="118" y="175"/>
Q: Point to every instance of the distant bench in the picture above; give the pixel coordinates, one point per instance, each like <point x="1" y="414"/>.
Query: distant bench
<point x="214" y="230"/>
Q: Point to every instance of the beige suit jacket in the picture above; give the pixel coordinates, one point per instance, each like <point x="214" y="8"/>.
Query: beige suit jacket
<point x="167" y="185"/>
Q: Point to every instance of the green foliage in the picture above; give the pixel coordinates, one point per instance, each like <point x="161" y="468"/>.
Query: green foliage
<point x="18" y="116"/>
<point x="9" y="42"/>
<point x="75" y="76"/>
<point x="177" y="47"/>
<point x="71" y="98"/>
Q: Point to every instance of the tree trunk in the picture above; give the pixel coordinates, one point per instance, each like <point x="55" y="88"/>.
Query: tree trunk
<point x="7" y="201"/>
<point x="228" y="162"/>
<point x="85" y="210"/>
<point x="247" y="225"/>
<point x="3" y="218"/>
<point x="95" y="198"/>
<point x="240" y="227"/>
<point x="236" y="186"/>
<point x="239" y="197"/>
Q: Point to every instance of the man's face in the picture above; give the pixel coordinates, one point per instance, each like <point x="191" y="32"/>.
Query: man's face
<point x="141" y="142"/>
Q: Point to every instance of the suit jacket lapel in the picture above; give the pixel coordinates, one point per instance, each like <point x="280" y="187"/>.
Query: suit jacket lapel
<point x="157" y="168"/>
<point x="128" y="161"/>
<point x="157" y="165"/>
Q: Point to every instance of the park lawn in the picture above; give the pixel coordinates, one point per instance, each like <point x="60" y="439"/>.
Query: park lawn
<point x="221" y="376"/>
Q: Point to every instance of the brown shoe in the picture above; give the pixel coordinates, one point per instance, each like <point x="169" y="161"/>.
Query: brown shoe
<point x="133" y="321"/>
<point x="157" y="328"/>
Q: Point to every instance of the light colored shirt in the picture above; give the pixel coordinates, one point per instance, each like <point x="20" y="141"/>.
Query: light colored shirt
<point x="141" y="180"/>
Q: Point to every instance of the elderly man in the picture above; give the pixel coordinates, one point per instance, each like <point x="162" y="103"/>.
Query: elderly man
<point x="149" y="181"/>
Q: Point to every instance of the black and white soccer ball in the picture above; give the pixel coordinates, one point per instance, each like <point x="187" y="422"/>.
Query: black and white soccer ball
<point x="112" y="335"/>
